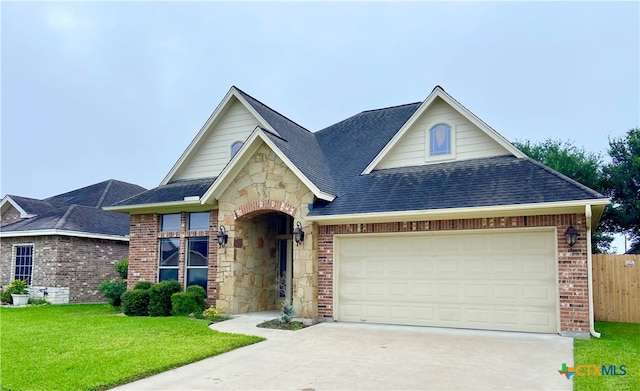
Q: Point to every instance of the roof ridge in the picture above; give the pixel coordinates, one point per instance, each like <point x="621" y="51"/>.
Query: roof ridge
<point x="104" y="193"/>
<point x="275" y="111"/>
<point x="64" y="217"/>
<point x="390" y="107"/>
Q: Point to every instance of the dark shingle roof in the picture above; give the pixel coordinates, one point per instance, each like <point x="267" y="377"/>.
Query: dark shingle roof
<point x="503" y="180"/>
<point x="98" y="195"/>
<point x="78" y="210"/>
<point x="76" y="218"/>
<point x="297" y="143"/>
<point x="34" y="206"/>
<point x="171" y="192"/>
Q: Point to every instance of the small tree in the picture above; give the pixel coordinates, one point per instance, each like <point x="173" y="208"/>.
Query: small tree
<point x="287" y="312"/>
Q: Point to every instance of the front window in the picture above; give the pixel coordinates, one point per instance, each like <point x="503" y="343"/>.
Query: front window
<point x="169" y="256"/>
<point x="440" y="140"/>
<point x="170" y="223"/>
<point x="23" y="261"/>
<point x="197" y="261"/>
<point x="199" y="221"/>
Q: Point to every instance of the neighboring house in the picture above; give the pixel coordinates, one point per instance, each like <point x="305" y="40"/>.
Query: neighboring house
<point x="65" y="246"/>
<point x="419" y="214"/>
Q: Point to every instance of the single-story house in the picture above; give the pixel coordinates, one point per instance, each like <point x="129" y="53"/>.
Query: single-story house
<point x="66" y="245"/>
<point x="418" y="214"/>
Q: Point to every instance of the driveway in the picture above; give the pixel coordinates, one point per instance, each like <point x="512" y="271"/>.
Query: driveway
<point x="347" y="356"/>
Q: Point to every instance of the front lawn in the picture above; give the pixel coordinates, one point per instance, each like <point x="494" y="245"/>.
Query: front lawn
<point x="93" y="347"/>
<point x="618" y="345"/>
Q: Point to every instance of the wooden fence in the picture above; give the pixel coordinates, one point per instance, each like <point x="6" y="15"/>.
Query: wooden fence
<point x="616" y="288"/>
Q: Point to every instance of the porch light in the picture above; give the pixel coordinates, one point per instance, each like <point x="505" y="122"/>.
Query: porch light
<point x="298" y="234"/>
<point x="222" y="236"/>
<point x="571" y="235"/>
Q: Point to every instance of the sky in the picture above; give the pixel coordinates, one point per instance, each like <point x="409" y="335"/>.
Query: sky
<point x="92" y="91"/>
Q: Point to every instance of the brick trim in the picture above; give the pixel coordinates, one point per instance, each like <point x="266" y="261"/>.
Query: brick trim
<point x="261" y="206"/>
<point x="571" y="263"/>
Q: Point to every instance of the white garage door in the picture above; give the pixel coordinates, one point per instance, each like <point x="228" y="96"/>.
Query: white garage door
<point x="497" y="280"/>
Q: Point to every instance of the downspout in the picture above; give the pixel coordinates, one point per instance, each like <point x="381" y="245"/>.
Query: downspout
<point x="592" y="329"/>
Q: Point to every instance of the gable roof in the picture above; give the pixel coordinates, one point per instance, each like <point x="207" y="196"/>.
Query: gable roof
<point x="337" y="164"/>
<point x="439" y="92"/>
<point x="75" y="213"/>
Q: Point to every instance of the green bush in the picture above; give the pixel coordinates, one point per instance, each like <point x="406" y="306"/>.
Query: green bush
<point x="136" y="302"/>
<point x="211" y="313"/>
<point x="185" y="303"/>
<point x="17" y="287"/>
<point x="199" y="294"/>
<point x="143" y="285"/>
<point x="287" y="312"/>
<point x="113" y="290"/>
<point x="122" y="267"/>
<point x="160" y="297"/>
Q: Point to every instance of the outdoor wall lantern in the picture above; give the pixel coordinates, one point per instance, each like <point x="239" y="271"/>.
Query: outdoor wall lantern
<point x="222" y="236"/>
<point x="298" y="234"/>
<point x="571" y="235"/>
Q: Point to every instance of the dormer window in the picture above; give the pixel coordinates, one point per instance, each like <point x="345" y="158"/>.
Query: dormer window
<point x="440" y="142"/>
<point x="235" y="147"/>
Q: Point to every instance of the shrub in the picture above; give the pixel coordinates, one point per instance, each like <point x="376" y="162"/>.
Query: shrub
<point x="122" y="267"/>
<point x="287" y="312"/>
<point x="143" y="285"/>
<point x="113" y="290"/>
<point x="211" y="313"/>
<point x="185" y="303"/>
<point x="199" y="294"/>
<point x="160" y="297"/>
<point x="17" y="287"/>
<point x="136" y="302"/>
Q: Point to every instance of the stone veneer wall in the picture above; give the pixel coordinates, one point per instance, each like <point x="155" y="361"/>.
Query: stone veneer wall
<point x="144" y="244"/>
<point x="572" y="263"/>
<point x="265" y="184"/>
<point x="70" y="268"/>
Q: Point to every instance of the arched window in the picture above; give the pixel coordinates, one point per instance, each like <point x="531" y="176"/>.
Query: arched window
<point x="235" y="147"/>
<point x="440" y="140"/>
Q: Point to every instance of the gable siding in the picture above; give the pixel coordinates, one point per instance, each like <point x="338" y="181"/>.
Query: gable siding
<point x="236" y="124"/>
<point x="471" y="142"/>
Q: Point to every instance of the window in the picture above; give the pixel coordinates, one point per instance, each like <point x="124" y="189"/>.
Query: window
<point x="23" y="260"/>
<point x="170" y="223"/>
<point x="168" y="262"/>
<point x="199" y="221"/>
<point x="197" y="261"/>
<point x="235" y="147"/>
<point x="440" y="140"/>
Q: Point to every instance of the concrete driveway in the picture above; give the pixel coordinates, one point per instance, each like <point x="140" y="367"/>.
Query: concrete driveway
<point x="347" y="356"/>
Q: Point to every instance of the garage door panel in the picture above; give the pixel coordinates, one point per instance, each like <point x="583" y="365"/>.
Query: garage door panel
<point x="487" y="280"/>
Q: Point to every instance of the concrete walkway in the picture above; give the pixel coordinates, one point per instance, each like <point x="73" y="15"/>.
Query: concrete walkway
<point x="347" y="356"/>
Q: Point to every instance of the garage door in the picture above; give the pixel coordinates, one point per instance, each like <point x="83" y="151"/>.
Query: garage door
<point x="496" y="280"/>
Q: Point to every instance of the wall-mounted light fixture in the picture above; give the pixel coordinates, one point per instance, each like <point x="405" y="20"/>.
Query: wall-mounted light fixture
<point x="572" y="236"/>
<point x="222" y="236"/>
<point x="298" y="234"/>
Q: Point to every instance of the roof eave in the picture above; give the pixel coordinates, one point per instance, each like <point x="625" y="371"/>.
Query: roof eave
<point x="8" y="200"/>
<point x="61" y="232"/>
<point x="191" y="205"/>
<point x="463" y="213"/>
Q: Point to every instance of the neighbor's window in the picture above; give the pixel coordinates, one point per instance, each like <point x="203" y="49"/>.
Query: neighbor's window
<point x="235" y="147"/>
<point x="169" y="256"/>
<point x="197" y="261"/>
<point x="170" y="223"/>
<point x="23" y="260"/>
<point x="199" y="221"/>
<point x="440" y="140"/>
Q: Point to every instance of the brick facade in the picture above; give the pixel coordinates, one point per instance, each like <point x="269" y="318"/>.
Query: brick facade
<point x="10" y="215"/>
<point x="144" y="246"/>
<point x="68" y="264"/>
<point x="572" y="263"/>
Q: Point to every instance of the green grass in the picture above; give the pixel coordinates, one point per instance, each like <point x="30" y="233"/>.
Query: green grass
<point x="618" y="345"/>
<point x="93" y="347"/>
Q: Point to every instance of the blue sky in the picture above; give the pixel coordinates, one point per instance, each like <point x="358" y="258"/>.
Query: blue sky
<point x="97" y="90"/>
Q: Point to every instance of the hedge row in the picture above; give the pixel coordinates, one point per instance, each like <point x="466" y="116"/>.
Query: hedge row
<point x="165" y="298"/>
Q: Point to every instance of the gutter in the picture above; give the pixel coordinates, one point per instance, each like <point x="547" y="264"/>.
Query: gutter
<point x="592" y="329"/>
